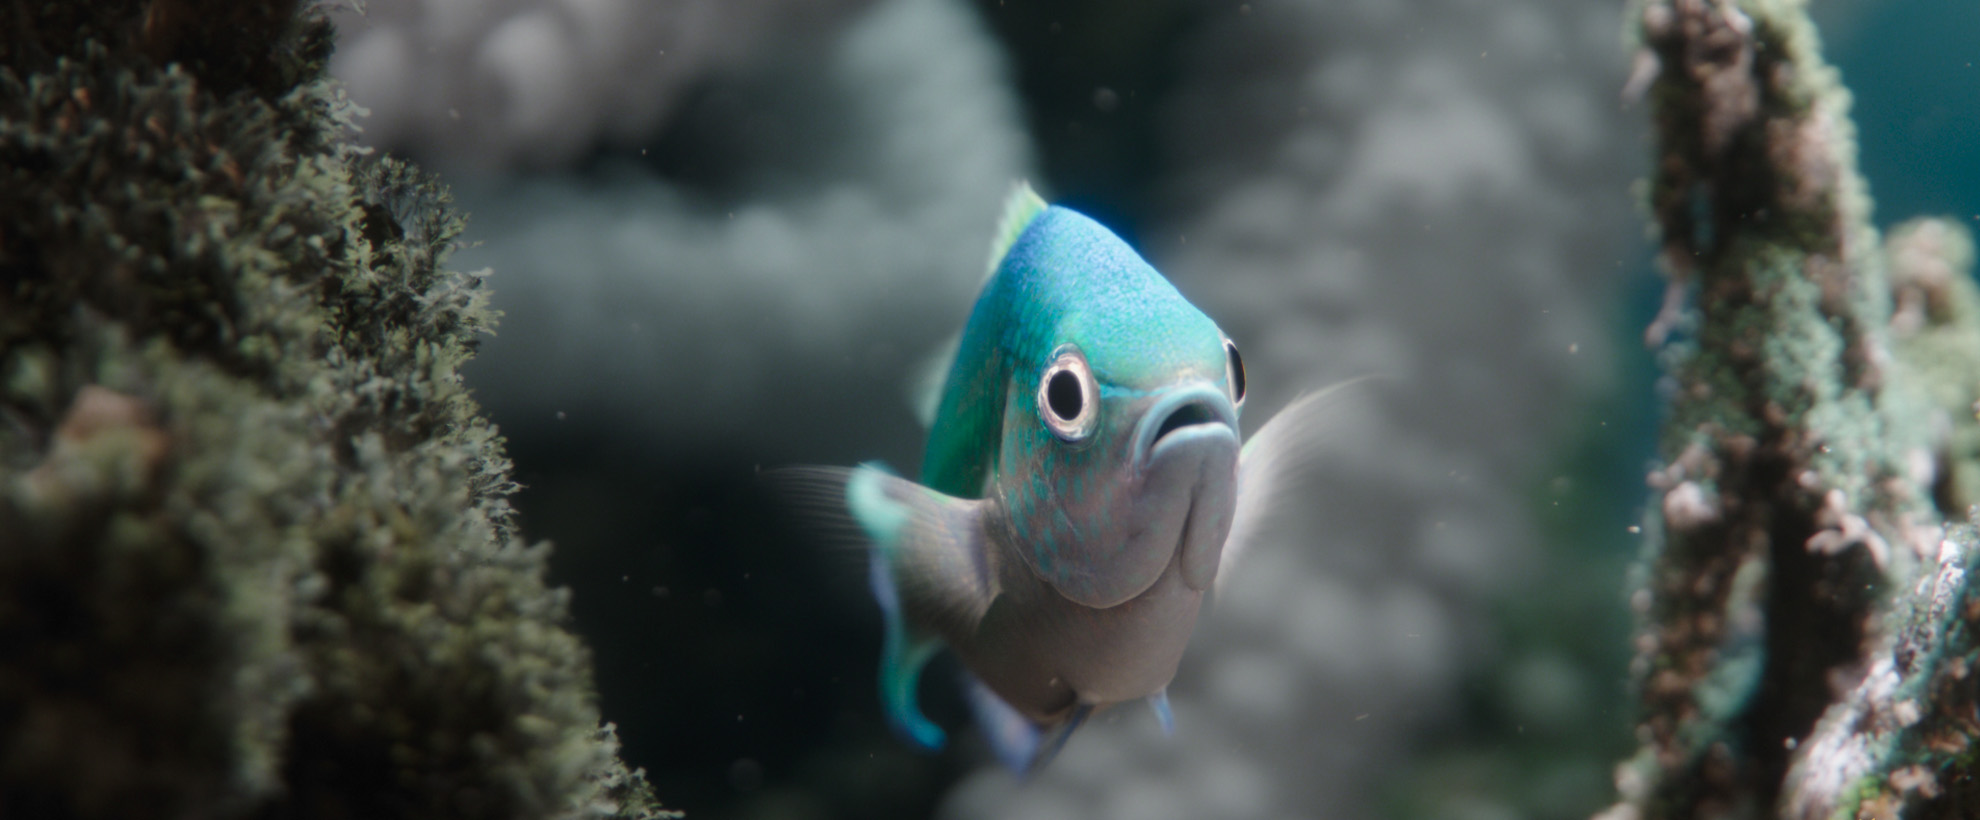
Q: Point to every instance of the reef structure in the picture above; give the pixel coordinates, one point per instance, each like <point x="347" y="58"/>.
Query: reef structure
<point x="256" y="553"/>
<point x="1807" y="632"/>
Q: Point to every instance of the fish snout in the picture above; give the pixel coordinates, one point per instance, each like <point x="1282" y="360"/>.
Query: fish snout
<point x="1186" y="452"/>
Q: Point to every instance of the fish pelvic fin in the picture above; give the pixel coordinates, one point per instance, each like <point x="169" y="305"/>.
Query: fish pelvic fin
<point x="1021" y="207"/>
<point x="1275" y="458"/>
<point x="1055" y="738"/>
<point x="929" y="571"/>
<point x="1012" y="736"/>
<point x="1159" y="704"/>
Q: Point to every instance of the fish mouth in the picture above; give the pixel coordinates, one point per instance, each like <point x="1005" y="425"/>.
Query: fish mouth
<point x="1186" y="453"/>
<point x="1183" y="415"/>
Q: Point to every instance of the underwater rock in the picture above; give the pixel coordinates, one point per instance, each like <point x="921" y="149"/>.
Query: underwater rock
<point x="1797" y="643"/>
<point x="256" y="553"/>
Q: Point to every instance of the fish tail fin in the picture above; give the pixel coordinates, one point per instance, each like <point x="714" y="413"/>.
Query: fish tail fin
<point x="1159" y="702"/>
<point x="928" y="575"/>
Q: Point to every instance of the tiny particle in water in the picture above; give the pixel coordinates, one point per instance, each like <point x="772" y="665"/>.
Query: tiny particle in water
<point x="454" y="113"/>
<point x="1362" y="716"/>
<point x="560" y="415"/>
<point x="712" y="597"/>
<point x="1634" y="529"/>
<point x="745" y="775"/>
<point x="1244" y="9"/>
<point x="1573" y="348"/>
<point x="661" y="592"/>
<point x="1106" y="100"/>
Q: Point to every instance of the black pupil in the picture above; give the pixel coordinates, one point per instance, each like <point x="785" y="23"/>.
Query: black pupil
<point x="1237" y="372"/>
<point x="1062" y="395"/>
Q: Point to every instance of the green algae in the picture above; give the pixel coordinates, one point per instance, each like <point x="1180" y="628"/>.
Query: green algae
<point x="256" y="553"/>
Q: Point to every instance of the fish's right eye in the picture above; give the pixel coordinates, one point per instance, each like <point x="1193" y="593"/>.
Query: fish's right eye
<point x="1236" y="366"/>
<point x="1067" y="396"/>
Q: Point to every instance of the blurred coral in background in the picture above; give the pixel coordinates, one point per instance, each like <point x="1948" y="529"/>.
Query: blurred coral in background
<point x="724" y="233"/>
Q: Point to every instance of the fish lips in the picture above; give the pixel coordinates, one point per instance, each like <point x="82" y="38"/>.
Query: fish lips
<point x="1185" y="468"/>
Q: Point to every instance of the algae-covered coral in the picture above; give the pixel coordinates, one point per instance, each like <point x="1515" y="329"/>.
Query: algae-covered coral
<point x="256" y="557"/>
<point x="1804" y="635"/>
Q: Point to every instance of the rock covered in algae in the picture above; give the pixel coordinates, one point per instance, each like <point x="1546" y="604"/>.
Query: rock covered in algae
<point x="1804" y="619"/>
<point x="256" y="557"/>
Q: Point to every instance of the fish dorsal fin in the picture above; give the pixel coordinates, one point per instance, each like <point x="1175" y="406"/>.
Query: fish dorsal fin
<point x="1020" y="208"/>
<point x="925" y="381"/>
<point x="929" y="376"/>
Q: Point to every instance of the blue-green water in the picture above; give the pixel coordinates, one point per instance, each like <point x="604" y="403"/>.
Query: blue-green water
<point x="1914" y="68"/>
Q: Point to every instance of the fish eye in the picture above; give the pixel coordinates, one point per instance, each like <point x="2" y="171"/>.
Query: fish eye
<point x="1237" y="371"/>
<point x="1067" y="395"/>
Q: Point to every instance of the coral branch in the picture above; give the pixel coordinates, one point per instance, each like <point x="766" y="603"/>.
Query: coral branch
<point x="1804" y="451"/>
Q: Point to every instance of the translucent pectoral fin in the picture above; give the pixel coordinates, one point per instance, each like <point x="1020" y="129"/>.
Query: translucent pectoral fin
<point x="934" y="548"/>
<point x="928" y="575"/>
<point x="926" y="565"/>
<point x="901" y="660"/>
<point x="1273" y="459"/>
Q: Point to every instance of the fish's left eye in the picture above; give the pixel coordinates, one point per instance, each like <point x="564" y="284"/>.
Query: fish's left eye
<point x="1067" y="396"/>
<point x="1236" y="364"/>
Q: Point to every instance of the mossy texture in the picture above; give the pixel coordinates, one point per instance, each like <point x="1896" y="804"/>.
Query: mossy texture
<point x="256" y="558"/>
<point x="1821" y="427"/>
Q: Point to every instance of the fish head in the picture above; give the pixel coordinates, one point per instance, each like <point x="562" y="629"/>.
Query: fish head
<point x="1120" y="439"/>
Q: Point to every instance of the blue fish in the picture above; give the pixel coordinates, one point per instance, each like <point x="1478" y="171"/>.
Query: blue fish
<point x="1082" y="482"/>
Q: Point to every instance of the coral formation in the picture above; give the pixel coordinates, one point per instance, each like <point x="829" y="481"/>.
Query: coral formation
<point x="1817" y="439"/>
<point x="256" y="557"/>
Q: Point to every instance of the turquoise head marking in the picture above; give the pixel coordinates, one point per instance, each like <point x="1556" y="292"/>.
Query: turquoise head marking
<point x="1118" y="445"/>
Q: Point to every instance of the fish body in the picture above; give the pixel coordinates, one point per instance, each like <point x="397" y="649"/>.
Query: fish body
<point x="1082" y="482"/>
